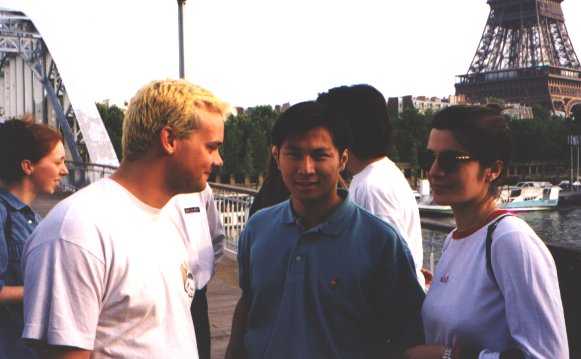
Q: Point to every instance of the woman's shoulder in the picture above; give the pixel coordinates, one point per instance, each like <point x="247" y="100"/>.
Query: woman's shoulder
<point x="514" y="238"/>
<point x="514" y="226"/>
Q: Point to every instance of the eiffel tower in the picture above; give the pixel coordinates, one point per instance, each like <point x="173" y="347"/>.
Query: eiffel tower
<point x="525" y="56"/>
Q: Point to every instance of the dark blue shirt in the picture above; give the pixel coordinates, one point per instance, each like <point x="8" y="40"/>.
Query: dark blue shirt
<point x="17" y="221"/>
<point x="344" y="289"/>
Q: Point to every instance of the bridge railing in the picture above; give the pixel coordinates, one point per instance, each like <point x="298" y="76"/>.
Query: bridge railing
<point x="233" y="203"/>
<point x="82" y="174"/>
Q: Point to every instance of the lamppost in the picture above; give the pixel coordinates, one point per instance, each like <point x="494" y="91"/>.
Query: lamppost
<point x="181" y="36"/>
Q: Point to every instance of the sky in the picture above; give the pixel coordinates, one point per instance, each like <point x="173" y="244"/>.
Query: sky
<point x="256" y="52"/>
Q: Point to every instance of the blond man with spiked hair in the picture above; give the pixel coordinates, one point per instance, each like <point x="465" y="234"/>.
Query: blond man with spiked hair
<point x="106" y="274"/>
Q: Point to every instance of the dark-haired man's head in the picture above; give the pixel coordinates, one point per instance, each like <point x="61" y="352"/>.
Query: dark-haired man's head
<point x="364" y="109"/>
<point x="309" y="145"/>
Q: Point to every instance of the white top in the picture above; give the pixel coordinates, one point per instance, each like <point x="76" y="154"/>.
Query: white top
<point x="382" y="189"/>
<point x="524" y="311"/>
<point x="199" y="223"/>
<point x="215" y="224"/>
<point x="105" y="272"/>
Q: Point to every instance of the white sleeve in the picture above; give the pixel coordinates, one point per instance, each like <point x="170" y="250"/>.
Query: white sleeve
<point x="391" y="210"/>
<point x="527" y="277"/>
<point x="64" y="286"/>
<point x="214" y="223"/>
<point x="376" y="202"/>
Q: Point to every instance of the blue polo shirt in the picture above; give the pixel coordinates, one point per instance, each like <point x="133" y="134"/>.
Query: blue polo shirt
<point x="17" y="221"/>
<point x="344" y="289"/>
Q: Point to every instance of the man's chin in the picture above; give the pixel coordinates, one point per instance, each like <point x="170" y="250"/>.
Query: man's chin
<point x="306" y="197"/>
<point x="199" y="186"/>
<point x="192" y="187"/>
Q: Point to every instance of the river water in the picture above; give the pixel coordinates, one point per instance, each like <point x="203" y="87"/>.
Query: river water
<point x="561" y="225"/>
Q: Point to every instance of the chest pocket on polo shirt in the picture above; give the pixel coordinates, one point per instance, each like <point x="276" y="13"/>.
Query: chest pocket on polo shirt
<point x="340" y="300"/>
<point x="341" y="292"/>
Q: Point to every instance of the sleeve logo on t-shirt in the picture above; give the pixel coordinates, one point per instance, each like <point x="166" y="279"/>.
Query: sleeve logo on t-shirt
<point x="191" y="210"/>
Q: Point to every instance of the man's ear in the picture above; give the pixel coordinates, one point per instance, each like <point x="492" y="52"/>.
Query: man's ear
<point x="274" y="153"/>
<point x="167" y="140"/>
<point x="27" y="167"/>
<point x="343" y="158"/>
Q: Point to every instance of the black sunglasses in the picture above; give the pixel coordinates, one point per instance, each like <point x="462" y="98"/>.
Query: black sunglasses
<point x="448" y="161"/>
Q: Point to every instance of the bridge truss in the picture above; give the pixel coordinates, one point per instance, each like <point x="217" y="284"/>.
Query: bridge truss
<point x="30" y="83"/>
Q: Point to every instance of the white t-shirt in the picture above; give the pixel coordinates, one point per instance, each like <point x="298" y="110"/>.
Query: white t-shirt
<point x="524" y="311"/>
<point x="215" y="224"/>
<point x="381" y="188"/>
<point x="198" y="220"/>
<point x="105" y="272"/>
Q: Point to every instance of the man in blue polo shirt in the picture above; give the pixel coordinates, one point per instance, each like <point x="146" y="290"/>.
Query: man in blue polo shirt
<point x="321" y="277"/>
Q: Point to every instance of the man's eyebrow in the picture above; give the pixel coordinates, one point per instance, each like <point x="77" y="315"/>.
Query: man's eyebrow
<point x="323" y="149"/>
<point x="215" y="143"/>
<point x="290" y="148"/>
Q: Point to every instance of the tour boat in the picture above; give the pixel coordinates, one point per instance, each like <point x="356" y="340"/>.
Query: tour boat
<point x="525" y="196"/>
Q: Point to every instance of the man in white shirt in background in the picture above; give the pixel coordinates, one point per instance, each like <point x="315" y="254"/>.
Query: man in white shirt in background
<point x="199" y="222"/>
<point x="378" y="185"/>
<point x="106" y="274"/>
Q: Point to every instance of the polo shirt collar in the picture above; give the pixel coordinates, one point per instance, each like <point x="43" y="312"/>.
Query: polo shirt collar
<point x="336" y="222"/>
<point x="12" y="200"/>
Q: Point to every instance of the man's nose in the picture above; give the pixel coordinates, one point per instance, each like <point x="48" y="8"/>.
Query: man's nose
<point x="218" y="162"/>
<point x="307" y="165"/>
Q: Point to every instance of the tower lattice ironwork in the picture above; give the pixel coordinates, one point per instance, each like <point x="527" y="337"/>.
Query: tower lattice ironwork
<point x="525" y="56"/>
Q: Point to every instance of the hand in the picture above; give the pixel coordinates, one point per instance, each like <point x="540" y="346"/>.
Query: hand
<point x="428" y="276"/>
<point x="464" y="351"/>
<point x="425" y="352"/>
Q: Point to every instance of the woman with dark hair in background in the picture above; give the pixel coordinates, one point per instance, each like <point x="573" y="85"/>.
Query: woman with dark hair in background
<point x="32" y="162"/>
<point x="495" y="292"/>
<point x="272" y="191"/>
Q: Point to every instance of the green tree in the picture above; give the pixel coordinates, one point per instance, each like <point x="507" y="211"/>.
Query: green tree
<point x="247" y="142"/>
<point x="112" y="117"/>
<point x="231" y="147"/>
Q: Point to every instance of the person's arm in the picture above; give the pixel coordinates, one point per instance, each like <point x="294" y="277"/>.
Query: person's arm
<point x="215" y="224"/>
<point x="235" y="349"/>
<point x="437" y="352"/>
<point x="390" y="208"/>
<point x="11" y="294"/>
<point x="527" y="277"/>
<point x="60" y="352"/>
<point x="409" y="301"/>
<point x="64" y="286"/>
<point x="8" y="294"/>
<point x="398" y="298"/>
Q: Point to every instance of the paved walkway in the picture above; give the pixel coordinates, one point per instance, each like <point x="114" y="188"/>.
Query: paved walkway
<point x="223" y="295"/>
<point x="223" y="292"/>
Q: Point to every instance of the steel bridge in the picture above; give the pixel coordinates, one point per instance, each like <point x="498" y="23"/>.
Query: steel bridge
<point x="31" y="85"/>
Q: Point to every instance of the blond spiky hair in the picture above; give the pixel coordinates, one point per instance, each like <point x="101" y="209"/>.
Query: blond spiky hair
<point x="173" y="103"/>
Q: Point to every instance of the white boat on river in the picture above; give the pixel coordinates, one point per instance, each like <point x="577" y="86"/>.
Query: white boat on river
<point x="525" y="196"/>
<point x="530" y="196"/>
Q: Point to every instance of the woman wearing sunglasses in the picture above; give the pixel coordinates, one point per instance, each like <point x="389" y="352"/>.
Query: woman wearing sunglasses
<point x="504" y="304"/>
<point x="32" y="161"/>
